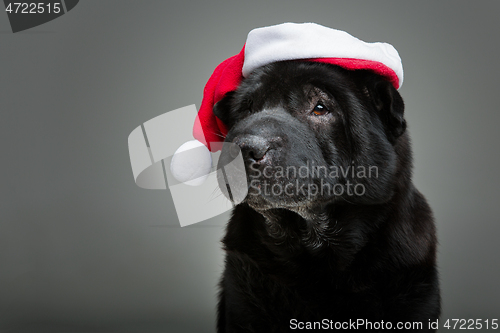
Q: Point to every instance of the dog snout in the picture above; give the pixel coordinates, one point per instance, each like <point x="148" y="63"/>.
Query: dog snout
<point x="253" y="148"/>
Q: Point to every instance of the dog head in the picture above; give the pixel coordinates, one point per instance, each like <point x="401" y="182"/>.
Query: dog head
<point x="314" y="133"/>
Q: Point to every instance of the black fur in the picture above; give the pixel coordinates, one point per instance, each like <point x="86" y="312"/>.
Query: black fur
<point x="324" y="256"/>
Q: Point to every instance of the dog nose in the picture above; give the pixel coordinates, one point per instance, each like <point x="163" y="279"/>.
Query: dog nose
<point x="253" y="148"/>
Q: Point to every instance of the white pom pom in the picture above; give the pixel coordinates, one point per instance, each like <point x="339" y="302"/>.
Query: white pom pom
<point x="191" y="163"/>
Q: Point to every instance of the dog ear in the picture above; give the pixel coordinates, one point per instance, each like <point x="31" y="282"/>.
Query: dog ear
<point x="222" y="109"/>
<point x="390" y="107"/>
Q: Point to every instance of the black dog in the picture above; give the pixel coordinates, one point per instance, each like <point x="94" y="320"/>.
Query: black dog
<point x="332" y="233"/>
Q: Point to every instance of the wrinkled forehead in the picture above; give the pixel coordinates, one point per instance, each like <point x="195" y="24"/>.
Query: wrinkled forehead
<point x="287" y="86"/>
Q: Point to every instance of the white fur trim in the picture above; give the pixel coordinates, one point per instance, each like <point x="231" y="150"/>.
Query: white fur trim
<point x="290" y="41"/>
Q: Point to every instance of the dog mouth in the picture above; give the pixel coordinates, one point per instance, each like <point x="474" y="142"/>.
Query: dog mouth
<point x="264" y="195"/>
<point x="265" y="186"/>
<point x="279" y="191"/>
<point x="272" y="177"/>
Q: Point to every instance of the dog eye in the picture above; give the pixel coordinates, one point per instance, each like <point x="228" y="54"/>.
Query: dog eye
<point x="320" y="110"/>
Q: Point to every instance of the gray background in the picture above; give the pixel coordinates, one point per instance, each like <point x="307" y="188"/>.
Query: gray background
<point x="83" y="249"/>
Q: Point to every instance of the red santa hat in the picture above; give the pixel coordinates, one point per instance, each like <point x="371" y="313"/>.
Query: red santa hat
<point x="290" y="41"/>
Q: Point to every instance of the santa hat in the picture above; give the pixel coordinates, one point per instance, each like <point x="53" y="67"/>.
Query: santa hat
<point x="290" y="41"/>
